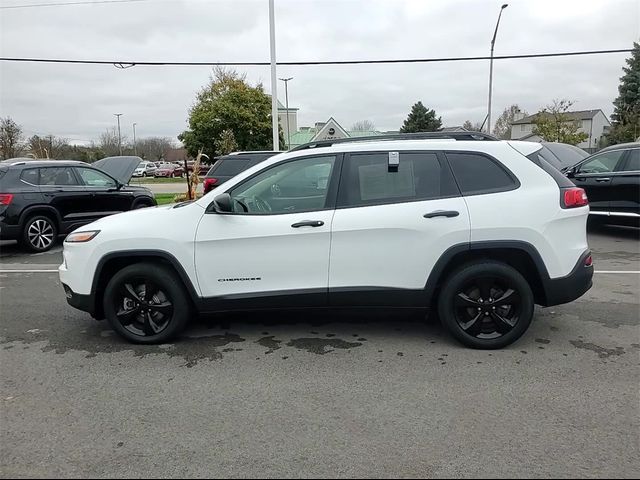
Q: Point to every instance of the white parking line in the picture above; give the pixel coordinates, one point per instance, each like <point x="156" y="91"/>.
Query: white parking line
<point x="28" y="271"/>
<point x="618" y="271"/>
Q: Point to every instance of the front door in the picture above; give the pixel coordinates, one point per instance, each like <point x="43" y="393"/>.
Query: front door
<point x="104" y="196"/>
<point x="63" y="191"/>
<point x="595" y="175"/>
<point x="626" y="186"/>
<point x="391" y="226"/>
<point x="273" y="250"/>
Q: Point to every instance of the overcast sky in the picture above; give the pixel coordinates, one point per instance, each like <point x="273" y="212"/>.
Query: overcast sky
<point x="78" y="101"/>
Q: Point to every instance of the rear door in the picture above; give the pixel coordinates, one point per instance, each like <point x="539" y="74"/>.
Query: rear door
<point x="391" y="226"/>
<point x="595" y="175"/>
<point x="62" y="190"/>
<point x="626" y="186"/>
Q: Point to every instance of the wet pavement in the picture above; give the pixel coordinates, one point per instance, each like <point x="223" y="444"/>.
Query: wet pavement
<point x="366" y="394"/>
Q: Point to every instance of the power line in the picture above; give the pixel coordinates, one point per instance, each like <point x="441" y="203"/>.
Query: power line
<point x="128" y="64"/>
<point x="34" y="5"/>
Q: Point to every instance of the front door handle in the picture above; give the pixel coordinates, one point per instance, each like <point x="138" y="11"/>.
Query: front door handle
<point x="603" y="179"/>
<point x="442" y="213"/>
<point x="308" y="223"/>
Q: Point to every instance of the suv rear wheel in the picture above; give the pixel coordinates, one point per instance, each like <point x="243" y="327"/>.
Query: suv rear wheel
<point x="146" y="303"/>
<point x="486" y="305"/>
<point x="39" y="233"/>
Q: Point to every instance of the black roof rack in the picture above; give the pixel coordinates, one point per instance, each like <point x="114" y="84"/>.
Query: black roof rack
<point x="400" y="136"/>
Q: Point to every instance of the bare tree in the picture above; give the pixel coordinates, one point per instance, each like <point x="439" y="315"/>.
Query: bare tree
<point x="153" y="148"/>
<point x="363" y="126"/>
<point x="49" y="146"/>
<point x="472" y="127"/>
<point x="10" y="138"/>
<point x="502" y="128"/>
<point x="108" y="142"/>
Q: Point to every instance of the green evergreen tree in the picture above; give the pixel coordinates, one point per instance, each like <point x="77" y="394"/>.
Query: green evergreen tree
<point x="626" y="114"/>
<point x="421" y="119"/>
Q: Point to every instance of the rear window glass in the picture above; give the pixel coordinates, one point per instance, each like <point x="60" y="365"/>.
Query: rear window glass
<point x="229" y="167"/>
<point x="560" y="179"/>
<point x="58" y="176"/>
<point x="633" y="164"/>
<point x="477" y="173"/>
<point x="30" y="175"/>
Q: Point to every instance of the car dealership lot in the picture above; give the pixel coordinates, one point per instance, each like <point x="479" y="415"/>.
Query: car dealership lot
<point x="328" y="394"/>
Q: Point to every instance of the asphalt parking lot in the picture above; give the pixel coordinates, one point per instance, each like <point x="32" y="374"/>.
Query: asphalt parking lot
<point x="323" y="395"/>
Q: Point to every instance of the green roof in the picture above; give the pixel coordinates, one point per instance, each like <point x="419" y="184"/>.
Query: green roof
<point x="300" y="138"/>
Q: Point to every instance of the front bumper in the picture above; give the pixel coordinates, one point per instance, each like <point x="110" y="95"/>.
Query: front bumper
<point x="573" y="286"/>
<point x="85" y="303"/>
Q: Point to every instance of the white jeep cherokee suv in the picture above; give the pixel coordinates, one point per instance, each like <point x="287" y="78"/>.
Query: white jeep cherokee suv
<point x="479" y="229"/>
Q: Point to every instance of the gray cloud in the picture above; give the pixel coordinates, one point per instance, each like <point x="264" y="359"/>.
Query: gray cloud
<point x="77" y="101"/>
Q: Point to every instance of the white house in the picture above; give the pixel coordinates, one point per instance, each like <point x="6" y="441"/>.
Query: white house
<point x="592" y="122"/>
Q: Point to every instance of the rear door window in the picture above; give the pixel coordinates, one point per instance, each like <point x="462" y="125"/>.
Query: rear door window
<point x="231" y="168"/>
<point x="368" y="180"/>
<point x="477" y="173"/>
<point x="57" y="176"/>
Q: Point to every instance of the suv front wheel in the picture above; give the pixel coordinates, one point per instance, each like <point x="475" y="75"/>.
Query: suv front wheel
<point x="146" y="303"/>
<point x="486" y="305"/>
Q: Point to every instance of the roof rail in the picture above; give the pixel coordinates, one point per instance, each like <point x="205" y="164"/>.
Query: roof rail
<point x="400" y="136"/>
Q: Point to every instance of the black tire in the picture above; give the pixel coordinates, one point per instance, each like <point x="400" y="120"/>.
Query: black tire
<point x="142" y="204"/>
<point x="486" y="323"/>
<point x="144" y="174"/>
<point x="39" y="233"/>
<point x="138" y="319"/>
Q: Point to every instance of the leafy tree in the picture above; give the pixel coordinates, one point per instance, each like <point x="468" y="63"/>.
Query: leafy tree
<point x="502" y="128"/>
<point x="421" y="119"/>
<point x="228" y="102"/>
<point x="10" y="138"/>
<point x="553" y="124"/>
<point x="472" y="127"/>
<point x="227" y="142"/>
<point x="625" y="125"/>
<point x="363" y="126"/>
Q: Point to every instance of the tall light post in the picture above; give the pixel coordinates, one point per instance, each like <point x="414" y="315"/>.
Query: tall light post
<point x="493" y="41"/>
<point x="135" y="148"/>
<point x="118" y="115"/>
<point x="274" y="84"/>
<point x="286" y="96"/>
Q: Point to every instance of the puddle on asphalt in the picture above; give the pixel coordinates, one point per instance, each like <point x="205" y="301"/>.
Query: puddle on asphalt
<point x="322" y="346"/>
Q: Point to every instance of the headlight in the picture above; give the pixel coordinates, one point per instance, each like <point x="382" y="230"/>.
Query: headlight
<point x="80" y="237"/>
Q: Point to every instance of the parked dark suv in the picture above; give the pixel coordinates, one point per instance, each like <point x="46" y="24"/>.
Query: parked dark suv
<point x="228" y="166"/>
<point x="41" y="199"/>
<point x="611" y="178"/>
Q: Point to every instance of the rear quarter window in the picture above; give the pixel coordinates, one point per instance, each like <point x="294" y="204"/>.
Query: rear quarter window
<point x="477" y="173"/>
<point x="559" y="178"/>
<point x="30" y="175"/>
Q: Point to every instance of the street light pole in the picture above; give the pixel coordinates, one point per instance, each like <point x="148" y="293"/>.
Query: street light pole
<point x="135" y="149"/>
<point x="286" y="96"/>
<point x="119" y="136"/>
<point x="274" y="77"/>
<point x="493" y="41"/>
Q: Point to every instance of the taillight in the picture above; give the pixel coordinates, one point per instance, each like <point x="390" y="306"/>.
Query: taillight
<point x="5" y="198"/>
<point x="588" y="261"/>
<point x="209" y="183"/>
<point x="574" y="197"/>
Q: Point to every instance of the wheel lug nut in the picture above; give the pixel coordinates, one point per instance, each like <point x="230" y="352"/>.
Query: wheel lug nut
<point x="486" y="314"/>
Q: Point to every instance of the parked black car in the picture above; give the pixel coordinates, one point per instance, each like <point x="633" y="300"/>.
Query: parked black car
<point x="611" y="178"/>
<point x="42" y="199"/>
<point x="228" y="166"/>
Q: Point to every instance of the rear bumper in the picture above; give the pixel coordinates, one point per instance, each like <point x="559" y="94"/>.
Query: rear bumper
<point x="9" y="232"/>
<point x="573" y="286"/>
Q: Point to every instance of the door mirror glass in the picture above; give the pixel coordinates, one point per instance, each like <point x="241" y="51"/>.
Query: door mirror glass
<point x="222" y="203"/>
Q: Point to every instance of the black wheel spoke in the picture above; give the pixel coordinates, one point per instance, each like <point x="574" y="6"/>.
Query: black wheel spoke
<point x="127" y="317"/>
<point x="484" y="285"/>
<point x="130" y="292"/>
<point x="165" y="308"/>
<point x="509" y="297"/>
<point x="149" y="325"/>
<point x="503" y="325"/>
<point x="463" y="300"/>
<point x="149" y="290"/>
<point x="474" y="326"/>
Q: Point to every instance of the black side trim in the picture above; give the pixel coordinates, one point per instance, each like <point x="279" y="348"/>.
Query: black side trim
<point x="376" y="297"/>
<point x="279" y="299"/>
<point x="573" y="286"/>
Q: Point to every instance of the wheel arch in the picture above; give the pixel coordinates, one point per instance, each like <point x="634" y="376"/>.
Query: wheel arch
<point x="113" y="262"/>
<point x="520" y="255"/>
<point x="44" y="210"/>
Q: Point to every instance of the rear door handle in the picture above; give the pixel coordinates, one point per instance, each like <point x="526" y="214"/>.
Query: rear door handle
<point x="308" y="223"/>
<point x="603" y="179"/>
<point x="442" y="213"/>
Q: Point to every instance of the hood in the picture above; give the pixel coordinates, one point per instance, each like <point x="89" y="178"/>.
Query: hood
<point x="120" y="168"/>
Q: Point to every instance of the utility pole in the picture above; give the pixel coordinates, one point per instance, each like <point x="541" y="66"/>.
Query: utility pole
<point x="118" y="115"/>
<point x="274" y="84"/>
<point x="135" y="148"/>
<point x="493" y="41"/>
<point x="286" y="96"/>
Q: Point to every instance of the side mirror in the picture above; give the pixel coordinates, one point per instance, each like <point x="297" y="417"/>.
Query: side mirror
<point x="571" y="172"/>
<point x="223" y="203"/>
